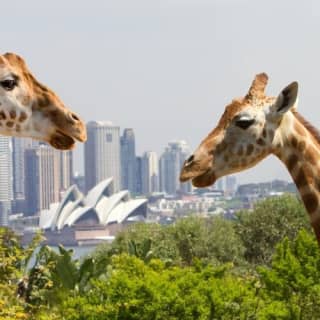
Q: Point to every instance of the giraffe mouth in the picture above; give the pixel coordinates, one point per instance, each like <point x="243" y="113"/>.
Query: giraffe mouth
<point x="62" y="141"/>
<point x="201" y="180"/>
<point x="205" y="179"/>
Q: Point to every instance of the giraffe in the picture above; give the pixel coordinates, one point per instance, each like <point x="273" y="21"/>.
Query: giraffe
<point x="30" y="109"/>
<point x="250" y="129"/>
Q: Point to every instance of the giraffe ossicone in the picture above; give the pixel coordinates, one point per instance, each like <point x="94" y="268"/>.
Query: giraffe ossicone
<point x="30" y="109"/>
<point x="253" y="127"/>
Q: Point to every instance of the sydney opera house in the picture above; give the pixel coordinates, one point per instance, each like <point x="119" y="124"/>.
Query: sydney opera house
<point x="95" y="216"/>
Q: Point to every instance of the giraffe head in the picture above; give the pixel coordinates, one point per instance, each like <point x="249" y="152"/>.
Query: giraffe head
<point x="30" y="109"/>
<point x="251" y="128"/>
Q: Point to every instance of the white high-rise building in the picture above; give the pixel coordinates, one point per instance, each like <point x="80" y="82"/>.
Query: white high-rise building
<point x="6" y="180"/>
<point x="150" y="172"/>
<point x="19" y="146"/>
<point x="171" y="162"/>
<point x="66" y="169"/>
<point x="102" y="154"/>
<point x="42" y="178"/>
<point x="47" y="175"/>
<point x="231" y="184"/>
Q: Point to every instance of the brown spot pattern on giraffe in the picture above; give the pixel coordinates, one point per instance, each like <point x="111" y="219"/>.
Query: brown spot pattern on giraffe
<point x="264" y="133"/>
<point x="310" y="201"/>
<point x="261" y="142"/>
<point x="26" y="100"/>
<point x="292" y="161"/>
<point x="316" y="227"/>
<point x="311" y="156"/>
<point x="221" y="146"/>
<point x="301" y="146"/>
<point x="317" y="183"/>
<point x="2" y="115"/>
<point x="294" y="141"/>
<point x="43" y="101"/>
<point x="240" y="151"/>
<point x="13" y="114"/>
<point x="307" y="125"/>
<point x="250" y="149"/>
<point x="23" y="116"/>
<point x="302" y="178"/>
<point x="10" y="124"/>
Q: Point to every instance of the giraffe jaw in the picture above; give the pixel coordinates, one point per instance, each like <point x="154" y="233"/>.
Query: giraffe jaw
<point x="204" y="180"/>
<point x="62" y="141"/>
<point x="200" y="180"/>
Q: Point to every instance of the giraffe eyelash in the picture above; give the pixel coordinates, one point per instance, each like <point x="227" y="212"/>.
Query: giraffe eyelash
<point x="244" y="123"/>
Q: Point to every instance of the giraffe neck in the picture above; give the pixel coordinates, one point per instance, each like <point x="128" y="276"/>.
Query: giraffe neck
<point x="300" y="153"/>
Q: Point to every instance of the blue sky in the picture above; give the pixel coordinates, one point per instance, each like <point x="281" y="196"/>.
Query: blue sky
<point x="167" y="68"/>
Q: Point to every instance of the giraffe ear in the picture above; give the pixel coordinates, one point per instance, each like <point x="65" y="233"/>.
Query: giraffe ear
<point x="287" y="98"/>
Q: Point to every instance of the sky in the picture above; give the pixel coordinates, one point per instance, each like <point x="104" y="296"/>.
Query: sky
<point x="167" y="68"/>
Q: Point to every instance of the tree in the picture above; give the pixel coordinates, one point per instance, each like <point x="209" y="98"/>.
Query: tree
<point x="210" y="239"/>
<point x="270" y="221"/>
<point x="56" y="274"/>
<point x="14" y="259"/>
<point x="291" y="287"/>
<point x="134" y="290"/>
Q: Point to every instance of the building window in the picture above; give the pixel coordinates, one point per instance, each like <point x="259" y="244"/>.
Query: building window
<point x="109" y="137"/>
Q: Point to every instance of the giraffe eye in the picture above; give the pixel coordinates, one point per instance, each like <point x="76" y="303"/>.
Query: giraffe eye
<point x="8" y="84"/>
<point x="244" y="123"/>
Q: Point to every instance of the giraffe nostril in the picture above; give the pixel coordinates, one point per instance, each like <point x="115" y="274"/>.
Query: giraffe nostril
<point x="190" y="159"/>
<point x="74" y="117"/>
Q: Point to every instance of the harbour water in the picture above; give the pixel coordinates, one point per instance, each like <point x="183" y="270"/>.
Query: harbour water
<point x="78" y="252"/>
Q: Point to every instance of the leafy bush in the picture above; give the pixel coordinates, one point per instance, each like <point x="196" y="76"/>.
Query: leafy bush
<point x="134" y="290"/>
<point x="193" y="269"/>
<point x="267" y="224"/>
<point x="212" y="240"/>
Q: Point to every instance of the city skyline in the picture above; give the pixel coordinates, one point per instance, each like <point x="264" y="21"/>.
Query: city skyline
<point x="34" y="176"/>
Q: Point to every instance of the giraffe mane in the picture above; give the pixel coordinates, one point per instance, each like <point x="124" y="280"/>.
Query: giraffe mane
<point x="313" y="130"/>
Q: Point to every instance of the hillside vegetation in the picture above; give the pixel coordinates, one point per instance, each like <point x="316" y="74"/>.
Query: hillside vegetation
<point x="265" y="264"/>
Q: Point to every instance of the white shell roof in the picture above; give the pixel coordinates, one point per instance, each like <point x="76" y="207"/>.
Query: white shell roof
<point x="95" y="193"/>
<point x="74" y="205"/>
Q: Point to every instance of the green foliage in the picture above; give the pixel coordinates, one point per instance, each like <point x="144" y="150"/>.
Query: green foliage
<point x="158" y="238"/>
<point x="135" y="290"/>
<point x="56" y="274"/>
<point x="293" y="281"/>
<point x="10" y="306"/>
<point x="13" y="263"/>
<point x="13" y="257"/>
<point x="270" y="221"/>
<point x="181" y="243"/>
<point x="193" y="269"/>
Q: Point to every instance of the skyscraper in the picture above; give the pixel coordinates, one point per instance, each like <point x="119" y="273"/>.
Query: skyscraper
<point x="128" y="161"/>
<point x="42" y="178"/>
<point x="219" y="184"/>
<point x="6" y="183"/>
<point x="231" y="184"/>
<point x="102" y="154"/>
<point x="171" y="162"/>
<point x="66" y="170"/>
<point x="138" y="175"/>
<point x="150" y="172"/>
<point x="19" y="146"/>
